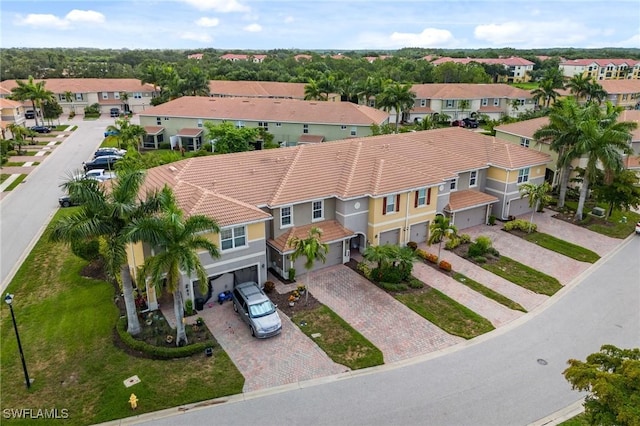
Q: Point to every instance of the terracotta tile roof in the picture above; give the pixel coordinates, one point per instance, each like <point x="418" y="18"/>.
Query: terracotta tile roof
<point x="620" y="86"/>
<point x="8" y="103"/>
<point x="468" y="199"/>
<point x="490" y="108"/>
<point x="422" y="110"/>
<point x="600" y="62"/>
<point x="254" y="89"/>
<point x="373" y="166"/>
<point x="632" y="162"/>
<point x="303" y="56"/>
<point x="86" y="85"/>
<point x="468" y="91"/>
<point x="189" y="132"/>
<point x="307" y="138"/>
<point x="512" y="61"/>
<point x="524" y="128"/>
<point x="153" y="130"/>
<point x="332" y="231"/>
<point x="270" y="110"/>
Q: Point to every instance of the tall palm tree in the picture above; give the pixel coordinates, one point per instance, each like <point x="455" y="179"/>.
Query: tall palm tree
<point x="369" y="88"/>
<point x="538" y="196"/>
<point x="312" y="91"/>
<point x="562" y="134"/>
<point x="604" y="139"/>
<point x="128" y="134"/>
<point x="68" y="96"/>
<point x="18" y="133"/>
<point x="578" y="85"/>
<point x="106" y="213"/>
<point x="441" y="229"/>
<point x="398" y="97"/>
<point x="312" y="248"/>
<point x="179" y="240"/>
<point x="463" y="104"/>
<point x="32" y="91"/>
<point x="545" y="92"/>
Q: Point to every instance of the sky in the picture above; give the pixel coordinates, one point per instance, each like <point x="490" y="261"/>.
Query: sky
<point x="320" y="24"/>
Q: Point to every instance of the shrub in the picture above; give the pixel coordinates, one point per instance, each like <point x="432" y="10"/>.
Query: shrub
<point x="412" y="245"/>
<point x="493" y="251"/>
<point x="414" y="283"/>
<point x="92" y="110"/>
<point x="521" y="225"/>
<point x="479" y="259"/>
<point x="492" y="220"/>
<point x="86" y="249"/>
<point x="393" y="286"/>
<point x="188" y="307"/>
<point x="444" y="265"/>
<point x="421" y="254"/>
<point x="164" y="145"/>
<point x="390" y="275"/>
<point x="365" y="269"/>
<point x="72" y="114"/>
<point x="292" y="274"/>
<point x="269" y="286"/>
<point x="464" y="238"/>
<point x="480" y="246"/>
<point x="452" y="243"/>
<point x="12" y="153"/>
<point x="430" y="257"/>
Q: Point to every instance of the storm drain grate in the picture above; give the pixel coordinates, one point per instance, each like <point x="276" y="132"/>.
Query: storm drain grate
<point x="542" y="361"/>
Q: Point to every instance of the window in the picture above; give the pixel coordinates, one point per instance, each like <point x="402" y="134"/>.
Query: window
<point x="158" y="121"/>
<point x="264" y="125"/>
<point x="239" y="124"/>
<point x="233" y="238"/>
<point x="354" y="131"/>
<point x="305" y="128"/>
<point x="449" y="103"/>
<point x="521" y="102"/>
<point x="496" y="102"/>
<point x="116" y="95"/>
<point x="523" y="175"/>
<point x="62" y="97"/>
<point x="199" y="122"/>
<point x="317" y="210"/>
<point x="524" y="142"/>
<point x="453" y="185"/>
<point x="285" y="217"/>
<point x="105" y="95"/>
<point x="423" y="197"/>
<point x="278" y="124"/>
<point x="343" y="127"/>
<point x="423" y="103"/>
<point x="391" y="204"/>
<point x="473" y="178"/>
<point x="79" y="97"/>
<point x="137" y="95"/>
<point x="485" y="102"/>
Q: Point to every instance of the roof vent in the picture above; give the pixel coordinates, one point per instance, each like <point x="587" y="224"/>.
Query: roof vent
<point x="173" y="169"/>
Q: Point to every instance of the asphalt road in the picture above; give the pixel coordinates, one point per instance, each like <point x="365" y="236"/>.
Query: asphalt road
<point x="26" y="211"/>
<point x="512" y="376"/>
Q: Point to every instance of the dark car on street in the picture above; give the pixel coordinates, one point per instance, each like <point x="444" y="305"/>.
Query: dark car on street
<point x="65" y="201"/>
<point x="41" y="129"/>
<point x="106" y="162"/>
<point x="101" y="152"/>
<point x="470" y="123"/>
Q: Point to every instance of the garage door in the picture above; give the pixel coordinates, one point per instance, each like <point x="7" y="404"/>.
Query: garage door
<point x="469" y="218"/>
<point x="390" y="237"/>
<point x="519" y="206"/>
<point x="333" y="257"/>
<point x="419" y="232"/>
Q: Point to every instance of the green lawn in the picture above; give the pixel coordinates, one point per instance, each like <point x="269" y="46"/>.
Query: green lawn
<point x="487" y="292"/>
<point x="615" y="226"/>
<point x="563" y="247"/>
<point x="446" y="313"/>
<point x="66" y="326"/>
<point x="342" y="343"/>
<point x="4" y="176"/>
<point x="16" y="182"/>
<point x="579" y="420"/>
<point x="524" y="276"/>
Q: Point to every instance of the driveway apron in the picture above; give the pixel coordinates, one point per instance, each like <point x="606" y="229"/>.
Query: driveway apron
<point x="393" y="328"/>
<point x="287" y="358"/>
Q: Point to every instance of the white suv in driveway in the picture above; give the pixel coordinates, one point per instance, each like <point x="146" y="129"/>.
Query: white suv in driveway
<point x="257" y="310"/>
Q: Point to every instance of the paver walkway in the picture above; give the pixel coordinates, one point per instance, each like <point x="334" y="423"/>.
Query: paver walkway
<point x="393" y="328"/>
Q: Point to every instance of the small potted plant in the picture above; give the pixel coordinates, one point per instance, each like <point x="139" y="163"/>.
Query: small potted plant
<point x="292" y="300"/>
<point x="301" y="289"/>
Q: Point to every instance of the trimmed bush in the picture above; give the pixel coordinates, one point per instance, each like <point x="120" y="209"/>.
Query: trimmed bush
<point x="269" y="286"/>
<point x="412" y="245"/>
<point x="86" y="249"/>
<point x="444" y="265"/>
<point x="164" y="145"/>
<point x="492" y="220"/>
<point x="430" y="257"/>
<point x="416" y="284"/>
<point x="521" y="225"/>
<point x="464" y="238"/>
<point x="452" y="243"/>
<point x="392" y="286"/>
<point x="292" y="274"/>
<point x="421" y="254"/>
<point x="479" y="259"/>
<point x="389" y="275"/>
<point x="493" y="252"/>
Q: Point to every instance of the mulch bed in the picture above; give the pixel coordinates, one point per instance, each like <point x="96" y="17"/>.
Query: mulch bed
<point x="282" y="300"/>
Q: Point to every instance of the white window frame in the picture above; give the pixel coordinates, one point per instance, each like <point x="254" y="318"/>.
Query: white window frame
<point x="199" y="122"/>
<point x="105" y="95"/>
<point x="343" y="127"/>
<point x="79" y="97"/>
<point x="473" y="178"/>
<point x="239" y="124"/>
<point x="485" y="101"/>
<point x="422" y="197"/>
<point x="391" y="204"/>
<point x="233" y="237"/>
<point x="496" y="102"/>
<point x="137" y="95"/>
<point x="289" y="209"/>
<point x="278" y="124"/>
<point x="354" y="131"/>
<point x="523" y="175"/>
<point x="453" y="185"/>
<point x="305" y="129"/>
<point x="423" y="103"/>
<point x="116" y="95"/>
<point x="449" y="103"/>
<point x="315" y="209"/>
<point x="525" y="142"/>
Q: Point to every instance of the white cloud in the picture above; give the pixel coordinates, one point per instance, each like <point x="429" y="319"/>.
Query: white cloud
<point x="253" y="28"/>
<point x="42" y="21"/>
<point x="288" y="19"/>
<point x="222" y="6"/>
<point x="204" y="38"/>
<point x="529" y="34"/>
<point x="429" y="37"/>
<point x="207" y="22"/>
<point x="90" y="16"/>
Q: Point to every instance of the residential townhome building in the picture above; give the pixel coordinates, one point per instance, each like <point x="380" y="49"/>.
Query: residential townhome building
<point x="290" y="121"/>
<point x="127" y="94"/>
<point x="521" y="133"/>
<point x="623" y="93"/>
<point x="462" y="100"/>
<point x="234" y="57"/>
<point x="519" y="69"/>
<point x="256" y="89"/>
<point x="12" y="112"/>
<point x="602" y="69"/>
<point x="365" y="191"/>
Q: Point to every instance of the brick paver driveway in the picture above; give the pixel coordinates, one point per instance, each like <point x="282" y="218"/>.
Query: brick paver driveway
<point x="393" y="328"/>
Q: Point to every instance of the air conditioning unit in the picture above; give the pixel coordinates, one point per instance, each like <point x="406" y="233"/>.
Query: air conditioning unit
<point x="598" y="211"/>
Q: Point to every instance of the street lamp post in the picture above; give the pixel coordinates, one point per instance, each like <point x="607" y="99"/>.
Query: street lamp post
<point x="9" y="299"/>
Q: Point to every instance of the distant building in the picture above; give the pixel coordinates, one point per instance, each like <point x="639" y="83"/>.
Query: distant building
<point x="519" y="68"/>
<point x="233" y="57"/>
<point x="602" y="69"/>
<point x="196" y="56"/>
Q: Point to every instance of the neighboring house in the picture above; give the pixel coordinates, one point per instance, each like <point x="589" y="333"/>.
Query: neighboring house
<point x="302" y="57"/>
<point x="11" y="112"/>
<point x="372" y="59"/>
<point x="624" y="93"/>
<point x="196" y="56"/>
<point x="493" y="100"/>
<point x="367" y="191"/>
<point x="288" y="120"/>
<point x="107" y="92"/>
<point x="256" y="89"/>
<point x="602" y="69"/>
<point x="519" y="68"/>
<point x="233" y="57"/>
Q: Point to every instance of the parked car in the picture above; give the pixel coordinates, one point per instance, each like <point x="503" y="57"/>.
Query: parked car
<point x="105" y="162"/>
<point x="114" y="112"/>
<point x="638" y="228"/>
<point x="65" y="201"/>
<point x="41" y="129"/>
<point x="100" y="174"/>
<point x="457" y="123"/>
<point x="101" y="152"/>
<point x="257" y="310"/>
<point x="111" y="133"/>
<point x="29" y="114"/>
<point x="470" y="123"/>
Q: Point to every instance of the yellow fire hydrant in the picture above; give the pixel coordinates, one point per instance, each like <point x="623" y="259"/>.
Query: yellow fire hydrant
<point x="133" y="400"/>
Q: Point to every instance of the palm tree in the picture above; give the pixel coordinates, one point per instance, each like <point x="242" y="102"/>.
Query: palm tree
<point x="312" y="248"/>
<point x="604" y="139"/>
<point x="179" y="240"/>
<point x="596" y="93"/>
<point x="68" y="96"/>
<point x="124" y="97"/>
<point x="128" y="134"/>
<point x="578" y="85"/>
<point x="546" y="92"/>
<point x="106" y="213"/>
<point x="32" y="91"/>
<point x="18" y="132"/>
<point x="562" y="134"/>
<point x="398" y="97"/>
<point x="441" y="229"/>
<point x="312" y="91"/>
<point x="538" y="196"/>
<point x="380" y="255"/>
<point x="463" y="104"/>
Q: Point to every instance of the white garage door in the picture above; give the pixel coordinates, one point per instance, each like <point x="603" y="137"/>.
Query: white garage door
<point x="519" y="206"/>
<point x="419" y="232"/>
<point x="390" y="237"/>
<point x="469" y="218"/>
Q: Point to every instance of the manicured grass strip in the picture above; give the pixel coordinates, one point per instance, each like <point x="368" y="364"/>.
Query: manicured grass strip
<point x="524" y="276"/>
<point x="16" y="182"/>
<point x="341" y="342"/>
<point x="563" y="247"/>
<point x="487" y="292"/>
<point x="4" y="176"/>
<point x="14" y="164"/>
<point x="446" y="313"/>
<point x="66" y="325"/>
<point x="579" y="420"/>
